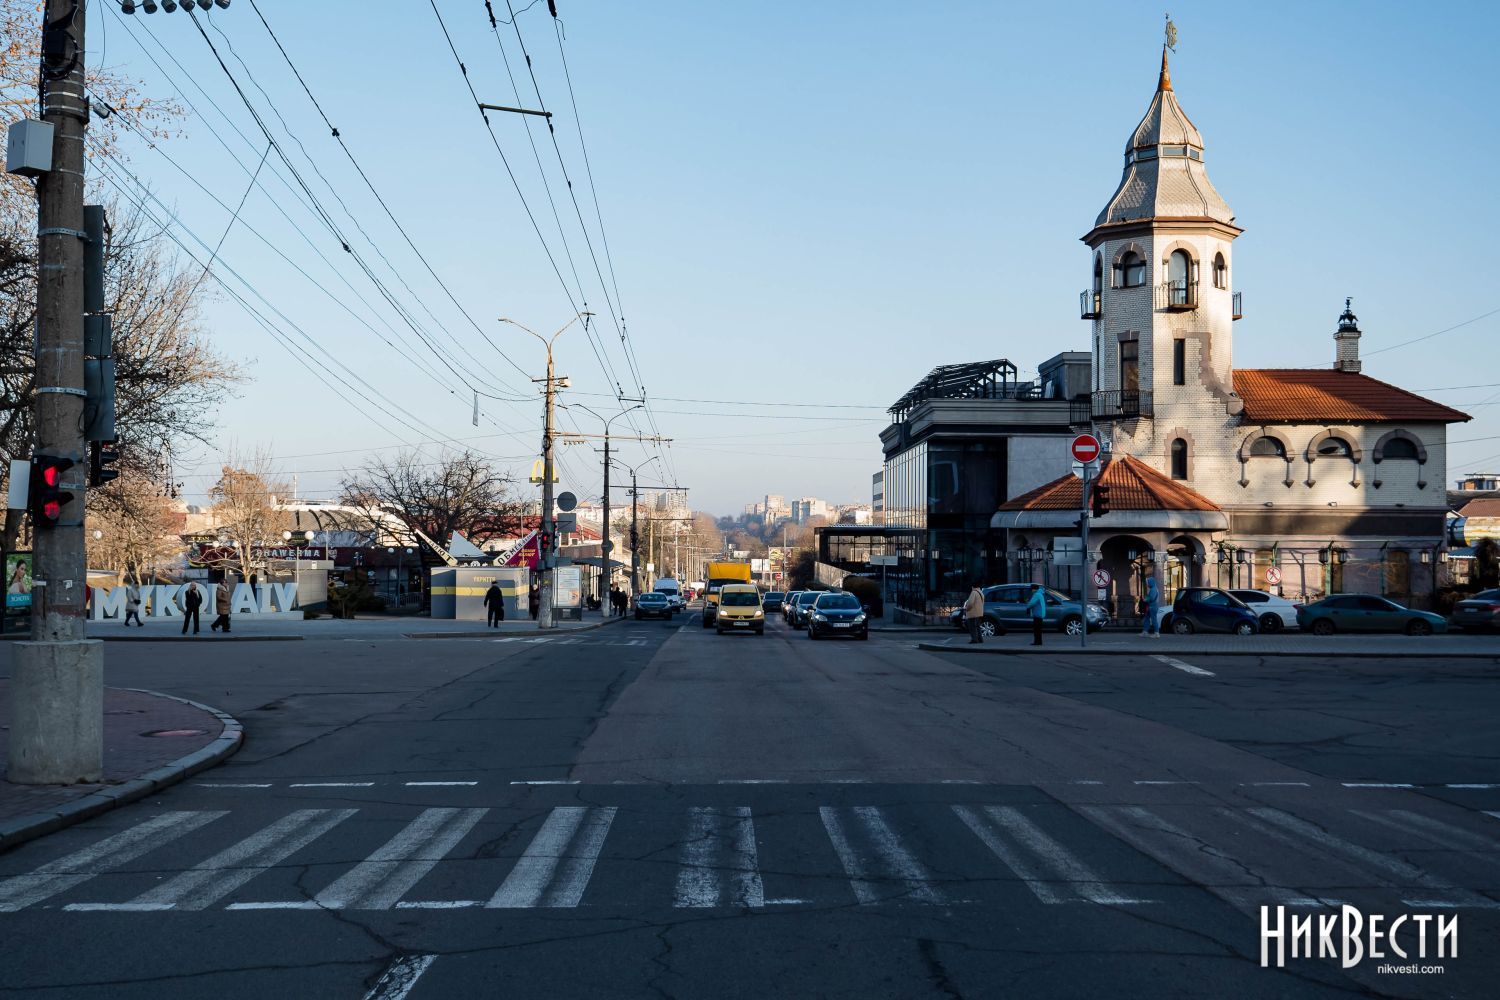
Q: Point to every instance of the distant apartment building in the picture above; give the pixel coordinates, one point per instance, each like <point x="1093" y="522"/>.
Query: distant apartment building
<point x="775" y="508"/>
<point x="807" y="508"/>
<point x="877" y="498"/>
<point x="854" y="513"/>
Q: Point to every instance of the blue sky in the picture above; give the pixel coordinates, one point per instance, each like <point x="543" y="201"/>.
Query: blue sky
<point x="809" y="204"/>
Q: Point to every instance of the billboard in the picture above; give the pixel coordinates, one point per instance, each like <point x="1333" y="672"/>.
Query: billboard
<point x="17" y="581"/>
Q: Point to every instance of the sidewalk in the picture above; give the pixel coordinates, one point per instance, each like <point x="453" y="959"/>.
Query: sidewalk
<point x="252" y="628"/>
<point x="188" y="737"/>
<point x="1451" y="646"/>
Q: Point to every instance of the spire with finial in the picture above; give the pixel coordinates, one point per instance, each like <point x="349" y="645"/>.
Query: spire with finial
<point x="1346" y="340"/>
<point x="1164" y="82"/>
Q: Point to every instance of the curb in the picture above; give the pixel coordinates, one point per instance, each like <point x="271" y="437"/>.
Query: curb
<point x="199" y="638"/>
<point x="23" y="828"/>
<point x="495" y="633"/>
<point x="934" y="647"/>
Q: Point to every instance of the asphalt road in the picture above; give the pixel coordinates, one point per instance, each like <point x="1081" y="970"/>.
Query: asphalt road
<point x="652" y="810"/>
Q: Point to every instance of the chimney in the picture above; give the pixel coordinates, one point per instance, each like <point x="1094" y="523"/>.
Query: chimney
<point x="1346" y="341"/>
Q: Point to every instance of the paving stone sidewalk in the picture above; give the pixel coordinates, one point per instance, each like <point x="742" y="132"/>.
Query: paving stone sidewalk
<point x="189" y="738"/>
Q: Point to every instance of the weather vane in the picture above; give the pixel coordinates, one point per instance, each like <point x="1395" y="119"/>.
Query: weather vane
<point x="1171" y="34"/>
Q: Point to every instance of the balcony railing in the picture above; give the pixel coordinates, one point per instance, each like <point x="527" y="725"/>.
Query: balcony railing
<point x="1236" y="310"/>
<point x="1080" y="412"/>
<point x="1180" y="295"/>
<point x="1121" y="404"/>
<point x="1088" y="305"/>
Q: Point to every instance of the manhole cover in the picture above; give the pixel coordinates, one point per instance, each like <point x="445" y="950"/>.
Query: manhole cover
<point x="175" y="732"/>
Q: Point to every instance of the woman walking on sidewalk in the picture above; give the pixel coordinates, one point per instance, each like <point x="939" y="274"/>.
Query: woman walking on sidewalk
<point x="1149" y="605"/>
<point x="221" y="606"/>
<point x="974" y="615"/>
<point x="1037" y="605"/>
<point x="133" y="605"/>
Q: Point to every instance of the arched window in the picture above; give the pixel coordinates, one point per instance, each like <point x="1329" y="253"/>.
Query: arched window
<point x="1130" y="272"/>
<point x="1180" y="290"/>
<point x="1399" y="448"/>
<point x="1098" y="274"/>
<point x="1334" y="448"/>
<point x="1179" y="459"/>
<point x="1221" y="271"/>
<point x="1267" y="447"/>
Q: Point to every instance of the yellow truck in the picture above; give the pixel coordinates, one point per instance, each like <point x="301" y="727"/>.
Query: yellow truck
<point x="719" y="574"/>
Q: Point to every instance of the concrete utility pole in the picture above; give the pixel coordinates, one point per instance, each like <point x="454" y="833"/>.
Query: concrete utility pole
<point x="604" y="574"/>
<point x="57" y="688"/>
<point x="547" y="553"/>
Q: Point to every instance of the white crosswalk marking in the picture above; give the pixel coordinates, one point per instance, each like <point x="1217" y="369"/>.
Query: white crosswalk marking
<point x="891" y="871"/>
<point x="1052" y="872"/>
<point x="402" y="975"/>
<point x="557" y="864"/>
<point x="378" y="882"/>
<point x="209" y="881"/>
<point x="1186" y="668"/>
<point x="719" y="861"/>
<point x="80" y="866"/>
<point x="1436" y="832"/>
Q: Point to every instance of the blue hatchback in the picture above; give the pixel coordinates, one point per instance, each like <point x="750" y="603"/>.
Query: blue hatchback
<point x="1207" y="609"/>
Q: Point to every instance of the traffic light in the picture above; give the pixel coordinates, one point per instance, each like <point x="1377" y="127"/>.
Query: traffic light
<point x="101" y="457"/>
<point x="544" y="542"/>
<point x="48" y="498"/>
<point x="1101" y="500"/>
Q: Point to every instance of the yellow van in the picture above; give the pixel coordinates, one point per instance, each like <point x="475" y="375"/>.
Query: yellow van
<point x="740" y="610"/>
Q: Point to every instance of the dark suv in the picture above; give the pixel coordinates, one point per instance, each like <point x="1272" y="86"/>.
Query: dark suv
<point x="837" y="614"/>
<point x="1207" y="609"/>
<point x="802" y="606"/>
<point x="772" y="600"/>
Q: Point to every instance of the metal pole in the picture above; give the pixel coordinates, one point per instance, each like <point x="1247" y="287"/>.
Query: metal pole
<point x="1088" y="576"/>
<point x="635" y="580"/>
<point x="606" y="578"/>
<point x="544" y="614"/>
<point x="57" y="686"/>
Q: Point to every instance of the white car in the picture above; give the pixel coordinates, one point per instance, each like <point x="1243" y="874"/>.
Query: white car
<point x="1275" y="613"/>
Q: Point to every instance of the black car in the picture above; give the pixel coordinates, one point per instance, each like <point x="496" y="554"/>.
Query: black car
<point x="653" y="604"/>
<point x="801" y="606"/>
<point x="788" y="602"/>
<point x="1207" y="609"/>
<point x="837" y="614"/>
<point x="1480" y="613"/>
<point x="772" y="600"/>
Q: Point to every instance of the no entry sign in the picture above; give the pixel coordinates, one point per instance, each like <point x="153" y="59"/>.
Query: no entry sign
<point x="1085" y="448"/>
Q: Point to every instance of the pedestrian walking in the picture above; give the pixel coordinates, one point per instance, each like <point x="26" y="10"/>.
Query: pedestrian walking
<point x="1149" y="605"/>
<point x="133" y="605"/>
<point x="534" y="601"/>
<point x="494" y="603"/>
<point x="1037" y="605"/>
<point x="974" y="615"/>
<point x="191" y="602"/>
<point x="221" y="608"/>
<point x="622" y="602"/>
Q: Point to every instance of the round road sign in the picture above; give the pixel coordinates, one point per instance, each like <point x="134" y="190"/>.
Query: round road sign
<point x="1085" y="448"/>
<point x="1273" y="576"/>
<point x="566" y="501"/>
<point x="1101" y="578"/>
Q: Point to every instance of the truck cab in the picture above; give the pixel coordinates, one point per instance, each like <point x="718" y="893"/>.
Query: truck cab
<point x="719" y="576"/>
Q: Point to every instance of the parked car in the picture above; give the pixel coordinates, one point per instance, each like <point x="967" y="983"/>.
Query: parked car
<point x="1480" y="613"/>
<point x="653" y="604"/>
<point x="673" y="590"/>
<point x="836" y="613"/>
<point x="788" y="602"/>
<point x="772" y="600"/>
<point x="1005" y="608"/>
<point x="740" y="610"/>
<point x="802" y="607"/>
<point x="1366" y="613"/>
<point x="1208" y="609"/>
<point x="1273" y="611"/>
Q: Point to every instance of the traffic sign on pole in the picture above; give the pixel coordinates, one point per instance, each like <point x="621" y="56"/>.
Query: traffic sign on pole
<point x="1085" y="448"/>
<point x="1273" y="576"/>
<point x="1101" y="578"/>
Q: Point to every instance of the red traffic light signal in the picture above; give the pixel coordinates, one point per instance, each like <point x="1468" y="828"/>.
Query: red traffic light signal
<point x="1101" y="500"/>
<point x="48" y="498"/>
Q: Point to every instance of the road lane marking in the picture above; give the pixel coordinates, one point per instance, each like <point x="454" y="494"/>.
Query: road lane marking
<point x="284" y="904"/>
<point x="1068" y="878"/>
<point x="753" y="781"/>
<point x="871" y="877"/>
<point x="211" y="880"/>
<point x="1474" y="785"/>
<point x="379" y="882"/>
<point x="1492" y="812"/>
<point x="1434" y="831"/>
<point x="438" y="904"/>
<point x="74" y="869"/>
<point x="1177" y="664"/>
<point x="1276" y="784"/>
<point x="1377" y="784"/>
<point x="719" y="862"/>
<point x="229" y="784"/>
<point x="439" y="784"/>
<point x="1164" y="782"/>
<point x="558" y="862"/>
<point x="402" y="975"/>
<point x="544" y="782"/>
<point x="332" y="784"/>
<point x="117" y="907"/>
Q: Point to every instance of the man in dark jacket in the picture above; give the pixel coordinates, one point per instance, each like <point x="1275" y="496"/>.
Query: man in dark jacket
<point x="494" y="602"/>
<point x="534" y="601"/>
<point x="191" y="602"/>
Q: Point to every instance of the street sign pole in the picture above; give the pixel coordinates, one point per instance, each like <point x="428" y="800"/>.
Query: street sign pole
<point x="1083" y="532"/>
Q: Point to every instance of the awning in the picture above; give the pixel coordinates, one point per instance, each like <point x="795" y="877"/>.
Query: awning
<point x="596" y="561"/>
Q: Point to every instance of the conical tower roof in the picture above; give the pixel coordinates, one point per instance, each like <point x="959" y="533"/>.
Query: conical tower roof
<point x="1164" y="175"/>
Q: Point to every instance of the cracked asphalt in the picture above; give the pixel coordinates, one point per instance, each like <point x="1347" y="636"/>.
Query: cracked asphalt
<point x="650" y="810"/>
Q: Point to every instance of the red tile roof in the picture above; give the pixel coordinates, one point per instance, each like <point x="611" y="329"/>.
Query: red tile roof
<point x="1133" y="485"/>
<point x="1481" y="507"/>
<point x="1329" y="396"/>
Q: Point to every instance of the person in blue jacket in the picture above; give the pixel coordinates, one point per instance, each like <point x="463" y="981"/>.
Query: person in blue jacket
<point x="1153" y="603"/>
<point x="1037" y="605"/>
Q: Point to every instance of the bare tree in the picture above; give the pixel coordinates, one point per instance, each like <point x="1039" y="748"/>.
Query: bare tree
<point x="140" y="531"/>
<point x="245" y="509"/>
<point x="458" y="492"/>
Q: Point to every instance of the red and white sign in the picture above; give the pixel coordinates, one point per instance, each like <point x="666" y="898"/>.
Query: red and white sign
<point x="1085" y="448"/>
<point x="1273" y="576"/>
<point x="1101" y="578"/>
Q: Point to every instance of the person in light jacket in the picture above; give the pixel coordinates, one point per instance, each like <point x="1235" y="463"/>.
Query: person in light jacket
<point x="1153" y="602"/>
<point x="221" y="607"/>
<point x="133" y="605"/>
<point x="974" y="615"/>
<point x="1037" y="605"/>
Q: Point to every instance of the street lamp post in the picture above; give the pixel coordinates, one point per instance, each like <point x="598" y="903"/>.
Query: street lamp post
<point x="635" y="579"/>
<point x="604" y="574"/>
<point x="548" y="556"/>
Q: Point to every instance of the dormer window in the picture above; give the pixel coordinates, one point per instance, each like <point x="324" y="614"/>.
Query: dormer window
<point x="1221" y="271"/>
<point x="1130" y="272"/>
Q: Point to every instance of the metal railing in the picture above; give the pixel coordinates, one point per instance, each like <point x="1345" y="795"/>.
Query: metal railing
<point x="1121" y="404"/>
<point x="1088" y="305"/>
<point x="1236" y="310"/>
<point x="1180" y="294"/>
